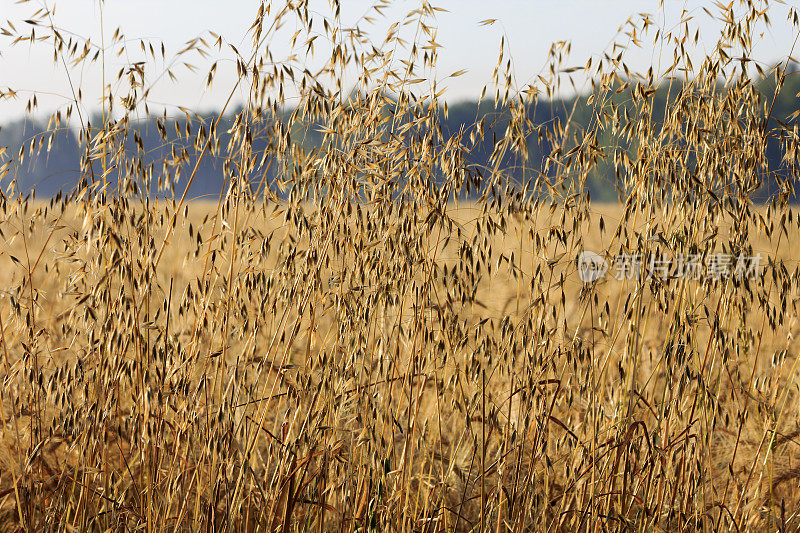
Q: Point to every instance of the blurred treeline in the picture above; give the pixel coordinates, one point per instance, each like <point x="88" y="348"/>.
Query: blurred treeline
<point x="167" y="148"/>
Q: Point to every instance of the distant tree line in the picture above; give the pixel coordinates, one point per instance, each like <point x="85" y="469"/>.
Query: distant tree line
<point x="51" y="160"/>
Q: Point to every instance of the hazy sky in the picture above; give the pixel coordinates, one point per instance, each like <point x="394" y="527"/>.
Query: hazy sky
<point x="530" y="28"/>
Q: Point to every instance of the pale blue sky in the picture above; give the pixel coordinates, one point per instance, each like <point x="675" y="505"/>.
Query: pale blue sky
<point x="530" y="27"/>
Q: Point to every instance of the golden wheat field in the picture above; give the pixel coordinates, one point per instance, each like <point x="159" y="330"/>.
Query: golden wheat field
<point x="323" y="396"/>
<point x="379" y="321"/>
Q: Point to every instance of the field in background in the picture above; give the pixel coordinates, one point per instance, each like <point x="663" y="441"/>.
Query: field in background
<point x="340" y="401"/>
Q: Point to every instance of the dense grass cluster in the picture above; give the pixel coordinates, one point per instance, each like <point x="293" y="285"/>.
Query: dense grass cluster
<point x="376" y="333"/>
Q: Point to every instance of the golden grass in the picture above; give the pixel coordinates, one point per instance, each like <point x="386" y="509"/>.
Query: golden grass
<point x="395" y="427"/>
<point x="371" y="351"/>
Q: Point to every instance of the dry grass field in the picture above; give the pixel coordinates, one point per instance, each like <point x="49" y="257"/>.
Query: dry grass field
<point x="236" y="388"/>
<point x="391" y="337"/>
